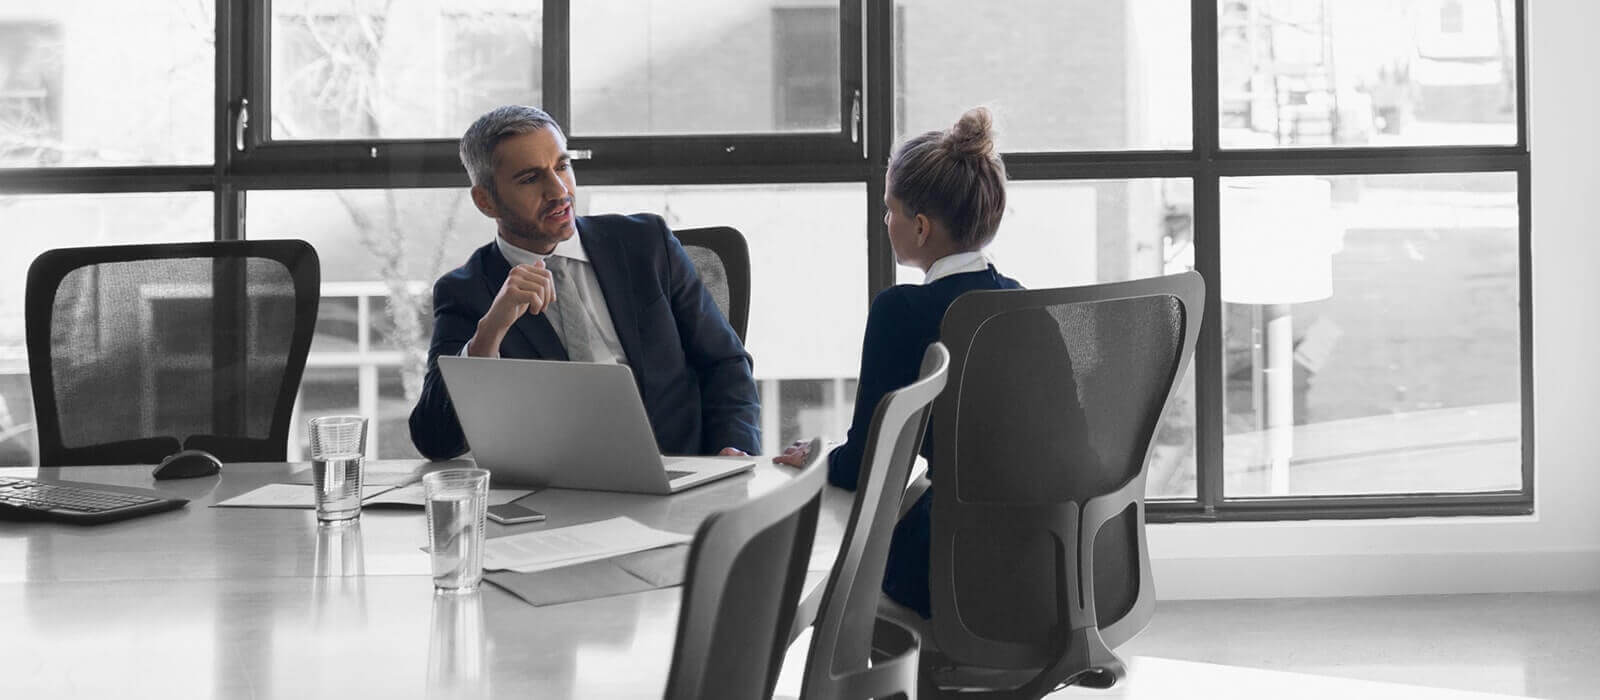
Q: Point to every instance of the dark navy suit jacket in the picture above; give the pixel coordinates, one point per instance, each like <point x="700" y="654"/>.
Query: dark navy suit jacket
<point x="693" y="373"/>
<point x="903" y="321"/>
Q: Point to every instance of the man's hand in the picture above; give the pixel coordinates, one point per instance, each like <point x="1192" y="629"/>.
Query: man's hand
<point x="795" y="454"/>
<point x="732" y="452"/>
<point x="529" y="289"/>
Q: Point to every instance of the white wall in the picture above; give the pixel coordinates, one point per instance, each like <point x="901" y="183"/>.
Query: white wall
<point x="1558" y="548"/>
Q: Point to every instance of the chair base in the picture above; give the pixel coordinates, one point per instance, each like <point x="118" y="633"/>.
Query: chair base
<point x="965" y="683"/>
<point x="1097" y="667"/>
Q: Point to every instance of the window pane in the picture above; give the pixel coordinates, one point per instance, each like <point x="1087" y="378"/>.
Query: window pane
<point x="1063" y="74"/>
<point x="1375" y="347"/>
<point x="1367" y="72"/>
<point x="381" y="251"/>
<point x="36" y="223"/>
<point x="808" y="301"/>
<point x="358" y="69"/>
<point x="106" y="82"/>
<point x="704" y="67"/>
<point x="1073" y="232"/>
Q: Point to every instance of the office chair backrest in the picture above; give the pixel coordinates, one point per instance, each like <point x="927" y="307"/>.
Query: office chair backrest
<point x="138" y="351"/>
<point x="746" y="569"/>
<point x="722" y="257"/>
<point x="1043" y="437"/>
<point x="842" y="642"/>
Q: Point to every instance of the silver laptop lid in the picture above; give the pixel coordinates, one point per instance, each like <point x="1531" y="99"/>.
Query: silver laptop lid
<point x="541" y="423"/>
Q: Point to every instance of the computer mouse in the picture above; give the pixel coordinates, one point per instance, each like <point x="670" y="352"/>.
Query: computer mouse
<point x="187" y="464"/>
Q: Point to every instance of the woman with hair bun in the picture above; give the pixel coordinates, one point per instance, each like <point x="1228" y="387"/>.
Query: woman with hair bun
<point x="946" y="192"/>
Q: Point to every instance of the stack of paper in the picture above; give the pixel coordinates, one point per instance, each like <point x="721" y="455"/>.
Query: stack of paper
<point x="565" y="546"/>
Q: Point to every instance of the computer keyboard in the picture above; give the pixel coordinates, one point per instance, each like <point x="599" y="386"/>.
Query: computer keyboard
<point x="30" y="499"/>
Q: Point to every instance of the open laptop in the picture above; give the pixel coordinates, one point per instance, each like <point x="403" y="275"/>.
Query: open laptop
<point x="571" y="425"/>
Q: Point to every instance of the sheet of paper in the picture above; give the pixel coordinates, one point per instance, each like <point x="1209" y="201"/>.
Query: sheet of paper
<point x="369" y="479"/>
<point x="598" y="579"/>
<point x="288" y="496"/>
<point x="662" y="567"/>
<point x="557" y="563"/>
<point x="568" y="545"/>
<point x="413" y="496"/>
<point x="628" y="573"/>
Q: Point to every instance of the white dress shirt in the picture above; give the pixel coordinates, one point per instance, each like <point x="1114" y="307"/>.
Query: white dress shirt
<point x="581" y="274"/>
<point x="955" y="264"/>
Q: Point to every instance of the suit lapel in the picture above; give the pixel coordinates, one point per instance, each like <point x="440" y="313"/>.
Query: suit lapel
<point x="534" y="329"/>
<point x="610" y="264"/>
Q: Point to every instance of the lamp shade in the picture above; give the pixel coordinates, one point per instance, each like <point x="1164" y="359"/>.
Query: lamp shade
<point x="1278" y="240"/>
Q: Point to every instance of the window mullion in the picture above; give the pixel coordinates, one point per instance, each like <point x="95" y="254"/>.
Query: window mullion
<point x="557" y="62"/>
<point x="879" y="134"/>
<point x="1209" y="389"/>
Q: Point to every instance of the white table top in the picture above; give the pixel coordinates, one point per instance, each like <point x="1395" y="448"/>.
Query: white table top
<point x="246" y="602"/>
<point x="262" y="603"/>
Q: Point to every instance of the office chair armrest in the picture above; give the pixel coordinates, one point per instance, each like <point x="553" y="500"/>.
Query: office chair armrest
<point x="805" y="614"/>
<point x="914" y="491"/>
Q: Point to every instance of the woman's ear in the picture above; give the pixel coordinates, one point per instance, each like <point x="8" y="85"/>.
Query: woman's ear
<point x="924" y="230"/>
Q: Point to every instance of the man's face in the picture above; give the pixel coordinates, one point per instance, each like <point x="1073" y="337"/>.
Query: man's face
<point x="533" y="189"/>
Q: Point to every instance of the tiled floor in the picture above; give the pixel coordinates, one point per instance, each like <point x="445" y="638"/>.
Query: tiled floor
<point x="1539" y="645"/>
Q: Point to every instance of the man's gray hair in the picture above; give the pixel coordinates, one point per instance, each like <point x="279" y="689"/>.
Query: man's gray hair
<point x="478" y="144"/>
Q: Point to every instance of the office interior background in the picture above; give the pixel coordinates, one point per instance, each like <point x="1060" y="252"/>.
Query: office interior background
<point x="1393" y="389"/>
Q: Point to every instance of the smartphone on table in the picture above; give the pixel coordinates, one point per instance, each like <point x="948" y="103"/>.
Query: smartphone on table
<point x="514" y="514"/>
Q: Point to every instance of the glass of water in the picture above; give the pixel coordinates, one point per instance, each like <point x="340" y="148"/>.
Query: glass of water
<point x="338" y="444"/>
<point x="456" y="502"/>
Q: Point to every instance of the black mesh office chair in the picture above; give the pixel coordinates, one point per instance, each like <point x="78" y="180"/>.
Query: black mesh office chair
<point x="746" y="569"/>
<point x="138" y="351"/>
<point x="723" y="260"/>
<point x="1038" y="560"/>
<point x="848" y="632"/>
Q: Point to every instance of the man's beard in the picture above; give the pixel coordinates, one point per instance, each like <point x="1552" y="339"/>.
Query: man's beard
<point x="526" y="230"/>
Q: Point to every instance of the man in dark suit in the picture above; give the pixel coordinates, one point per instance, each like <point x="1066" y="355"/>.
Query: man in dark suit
<point x="555" y="286"/>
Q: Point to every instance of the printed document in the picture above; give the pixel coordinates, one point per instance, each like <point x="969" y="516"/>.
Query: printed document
<point x="565" y="546"/>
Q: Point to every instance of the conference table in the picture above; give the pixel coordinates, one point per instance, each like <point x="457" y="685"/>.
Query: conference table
<point x="207" y="602"/>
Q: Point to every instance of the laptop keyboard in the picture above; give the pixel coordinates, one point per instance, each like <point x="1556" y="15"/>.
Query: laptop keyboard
<point x="30" y="499"/>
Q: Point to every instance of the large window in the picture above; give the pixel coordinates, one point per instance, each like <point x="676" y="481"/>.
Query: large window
<point x="1376" y="351"/>
<point x="70" y="96"/>
<point x="1354" y="73"/>
<point x="703" y="67"/>
<point x="1349" y="176"/>
<point x="354" y="69"/>
<point x="1064" y="74"/>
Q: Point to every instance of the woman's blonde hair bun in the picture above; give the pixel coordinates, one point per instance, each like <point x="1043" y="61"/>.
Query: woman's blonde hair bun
<point x="972" y="136"/>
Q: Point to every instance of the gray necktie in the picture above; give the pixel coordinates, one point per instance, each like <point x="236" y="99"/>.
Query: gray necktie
<point x="577" y="330"/>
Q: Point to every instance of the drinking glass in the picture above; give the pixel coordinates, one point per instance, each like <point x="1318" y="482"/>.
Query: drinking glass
<point x="338" y="445"/>
<point x="456" y="501"/>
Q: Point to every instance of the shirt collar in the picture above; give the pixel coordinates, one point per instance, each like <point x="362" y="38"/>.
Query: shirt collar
<point x="572" y="248"/>
<point x="970" y="261"/>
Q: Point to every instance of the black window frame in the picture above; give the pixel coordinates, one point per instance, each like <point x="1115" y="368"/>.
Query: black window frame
<point x="246" y="159"/>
